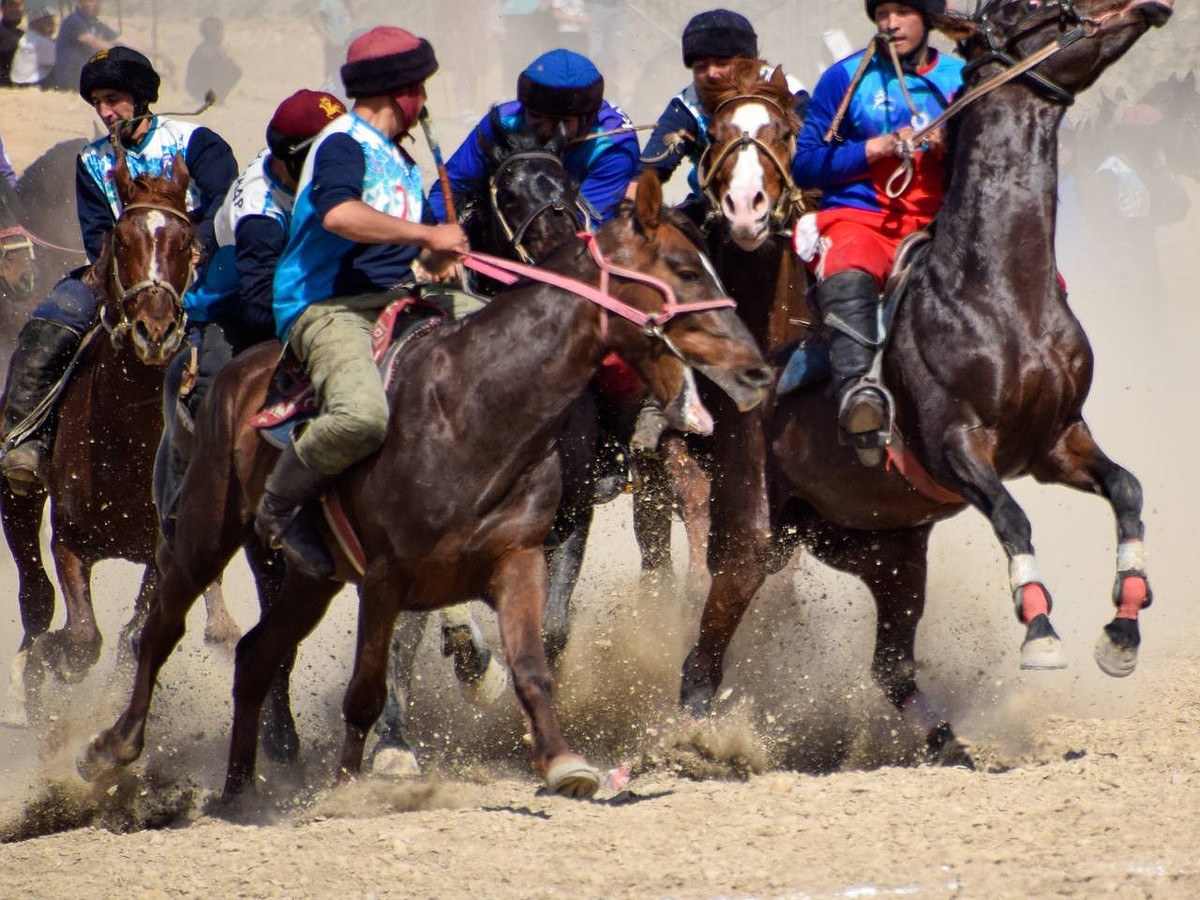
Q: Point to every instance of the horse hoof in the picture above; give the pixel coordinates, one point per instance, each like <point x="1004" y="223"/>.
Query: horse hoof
<point x="1119" y="662"/>
<point x="15" y="715"/>
<point x="100" y="762"/>
<point x="394" y="762"/>
<point x="571" y="776"/>
<point x="1044" y="653"/>
<point x="488" y="687"/>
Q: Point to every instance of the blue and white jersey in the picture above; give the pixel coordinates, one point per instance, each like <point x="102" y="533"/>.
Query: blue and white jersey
<point x="350" y="160"/>
<point x="211" y="168"/>
<point x="256" y="195"/>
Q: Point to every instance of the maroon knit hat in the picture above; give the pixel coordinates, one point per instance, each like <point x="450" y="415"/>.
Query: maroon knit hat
<point x="299" y="118"/>
<point x="385" y="60"/>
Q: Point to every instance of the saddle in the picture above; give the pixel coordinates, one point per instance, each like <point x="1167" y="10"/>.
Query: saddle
<point x="806" y="361"/>
<point x="292" y="399"/>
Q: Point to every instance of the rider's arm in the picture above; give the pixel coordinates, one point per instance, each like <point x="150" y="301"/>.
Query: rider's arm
<point x="609" y="174"/>
<point x="821" y="164"/>
<point x="675" y="118"/>
<point x="259" y="243"/>
<point x="213" y="169"/>
<point x="95" y="215"/>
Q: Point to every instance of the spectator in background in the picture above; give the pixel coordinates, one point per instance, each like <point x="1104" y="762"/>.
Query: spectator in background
<point x="571" y="22"/>
<point x="210" y="66"/>
<point x="34" y="59"/>
<point x="11" y="14"/>
<point x="81" y="36"/>
<point x="6" y="167"/>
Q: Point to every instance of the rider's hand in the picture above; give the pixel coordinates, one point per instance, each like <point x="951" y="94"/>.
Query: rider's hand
<point x="448" y="238"/>
<point x="438" y="268"/>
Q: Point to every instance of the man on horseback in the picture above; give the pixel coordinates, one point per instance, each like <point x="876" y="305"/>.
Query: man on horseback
<point x="356" y="231"/>
<point x="712" y="41"/>
<point x="864" y="111"/>
<point x="120" y="84"/>
<point x="561" y="93"/>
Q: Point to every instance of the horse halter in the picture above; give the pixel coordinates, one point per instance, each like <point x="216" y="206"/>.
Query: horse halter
<point x="122" y="293"/>
<point x="515" y="237"/>
<point x="790" y="200"/>
<point x="1001" y="48"/>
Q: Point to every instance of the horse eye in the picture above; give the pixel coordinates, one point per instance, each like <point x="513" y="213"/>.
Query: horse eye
<point x="688" y="276"/>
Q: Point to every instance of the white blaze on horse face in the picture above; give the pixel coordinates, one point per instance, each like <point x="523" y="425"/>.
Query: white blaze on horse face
<point x="155" y="223"/>
<point x="745" y="201"/>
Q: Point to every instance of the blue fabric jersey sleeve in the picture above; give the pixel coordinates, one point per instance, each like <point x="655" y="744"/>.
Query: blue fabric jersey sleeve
<point x="260" y="243"/>
<point x="95" y="215"/>
<point x="676" y="117"/>
<point x="607" y="177"/>
<point x="213" y="170"/>
<point x="818" y="164"/>
<point x="338" y="172"/>
<point x="467" y="170"/>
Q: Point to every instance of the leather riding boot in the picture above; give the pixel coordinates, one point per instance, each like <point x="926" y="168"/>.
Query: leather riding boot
<point x="849" y="305"/>
<point x="44" y="351"/>
<point x="286" y="518"/>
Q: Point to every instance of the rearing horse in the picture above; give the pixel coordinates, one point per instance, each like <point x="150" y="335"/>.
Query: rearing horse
<point x="989" y="367"/>
<point x="458" y="502"/>
<point x="99" y="472"/>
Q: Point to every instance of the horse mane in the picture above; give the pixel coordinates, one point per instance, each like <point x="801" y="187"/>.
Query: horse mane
<point x="745" y="79"/>
<point x="161" y="189"/>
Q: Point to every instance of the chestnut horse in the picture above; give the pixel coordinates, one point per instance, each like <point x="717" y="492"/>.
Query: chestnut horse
<point x="990" y="370"/>
<point x="458" y="502"/>
<point x="108" y="427"/>
<point x="752" y="203"/>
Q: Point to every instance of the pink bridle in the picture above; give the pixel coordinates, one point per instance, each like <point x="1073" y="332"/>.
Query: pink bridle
<point x="507" y="272"/>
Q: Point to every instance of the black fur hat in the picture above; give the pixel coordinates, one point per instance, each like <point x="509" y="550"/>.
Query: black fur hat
<point x="385" y="60"/>
<point x="719" y="33"/>
<point x="121" y="69"/>
<point x="927" y="8"/>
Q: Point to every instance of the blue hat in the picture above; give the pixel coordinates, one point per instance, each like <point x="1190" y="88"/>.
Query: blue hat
<point x="562" y="84"/>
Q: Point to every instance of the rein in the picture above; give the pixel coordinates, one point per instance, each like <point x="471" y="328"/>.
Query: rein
<point x="508" y="272"/>
<point x="556" y="203"/>
<point x="29" y="240"/>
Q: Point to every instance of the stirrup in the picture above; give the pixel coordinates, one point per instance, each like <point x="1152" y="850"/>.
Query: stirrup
<point x="865" y="417"/>
<point x="24" y="468"/>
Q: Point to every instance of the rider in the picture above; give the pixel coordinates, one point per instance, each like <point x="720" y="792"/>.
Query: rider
<point x="356" y="231"/>
<point x="712" y="42"/>
<point x="559" y="92"/>
<point x="851" y="241"/>
<point x="120" y="84"/>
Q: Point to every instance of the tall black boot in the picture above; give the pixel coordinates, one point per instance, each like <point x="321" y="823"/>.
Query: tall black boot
<point x="43" y="353"/>
<point x="849" y="306"/>
<point x="286" y="518"/>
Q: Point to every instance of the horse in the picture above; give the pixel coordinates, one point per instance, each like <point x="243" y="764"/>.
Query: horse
<point x="752" y="202"/>
<point x="458" y="502"/>
<point x="989" y="368"/>
<point x="99" y="474"/>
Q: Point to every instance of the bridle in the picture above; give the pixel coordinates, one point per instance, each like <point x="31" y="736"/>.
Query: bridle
<point x="651" y="324"/>
<point x="790" y="202"/>
<point x="558" y="202"/>
<point x="121" y="293"/>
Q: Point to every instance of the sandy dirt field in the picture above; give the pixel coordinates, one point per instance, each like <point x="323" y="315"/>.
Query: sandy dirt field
<point x="802" y="785"/>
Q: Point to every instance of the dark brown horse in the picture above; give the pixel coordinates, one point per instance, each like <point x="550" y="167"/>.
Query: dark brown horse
<point x="752" y="202"/>
<point x="459" y="501"/>
<point x="990" y="369"/>
<point x="99" y="473"/>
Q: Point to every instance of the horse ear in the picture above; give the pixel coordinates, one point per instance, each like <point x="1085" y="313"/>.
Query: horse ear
<point x="121" y="176"/>
<point x="179" y="173"/>
<point x="498" y="130"/>
<point x="778" y="78"/>
<point x="955" y="26"/>
<point x="648" y="203"/>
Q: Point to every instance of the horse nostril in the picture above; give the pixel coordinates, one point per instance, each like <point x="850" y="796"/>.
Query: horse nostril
<point x="760" y="200"/>
<point x="730" y="207"/>
<point x="756" y="376"/>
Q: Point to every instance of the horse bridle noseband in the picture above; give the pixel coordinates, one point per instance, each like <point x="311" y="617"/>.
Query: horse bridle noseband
<point x="122" y="293"/>
<point x="515" y="237"/>
<point x="790" y="200"/>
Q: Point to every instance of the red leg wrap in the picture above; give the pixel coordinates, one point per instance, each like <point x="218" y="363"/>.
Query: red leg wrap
<point x="1134" y="592"/>
<point x="1034" y="602"/>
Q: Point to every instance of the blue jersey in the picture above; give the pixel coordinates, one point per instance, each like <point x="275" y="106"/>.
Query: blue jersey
<point x="349" y="160"/>
<point x="250" y="228"/>
<point x="839" y="168"/>
<point x="602" y="166"/>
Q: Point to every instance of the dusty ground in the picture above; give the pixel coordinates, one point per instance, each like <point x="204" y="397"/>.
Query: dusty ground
<point x="800" y="787"/>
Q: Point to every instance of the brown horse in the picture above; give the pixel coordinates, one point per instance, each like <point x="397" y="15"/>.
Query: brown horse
<point x="99" y="473"/>
<point x="459" y="501"/>
<point x="746" y="178"/>
<point x="990" y="370"/>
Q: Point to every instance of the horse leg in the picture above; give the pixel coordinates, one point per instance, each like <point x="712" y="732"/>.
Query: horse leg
<point x="72" y="650"/>
<point x="220" y="628"/>
<point x="22" y="520"/>
<point x="652" y="513"/>
<point x="393" y="755"/>
<point x="969" y="452"/>
<point x="1078" y="461"/>
<point x="260" y="655"/>
<point x="127" y="642"/>
<point x="519" y="590"/>
<point x="564" y="563"/>
<point x="738" y="542"/>
<point x="280" y="740"/>
<point x="693" y="492"/>
<point x="479" y="671"/>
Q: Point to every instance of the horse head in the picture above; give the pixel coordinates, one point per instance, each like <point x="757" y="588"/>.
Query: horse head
<point x="692" y="325"/>
<point x="17" y="270"/>
<point x="534" y="205"/>
<point x="746" y="171"/>
<point x="147" y="263"/>
<point x="1082" y="38"/>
